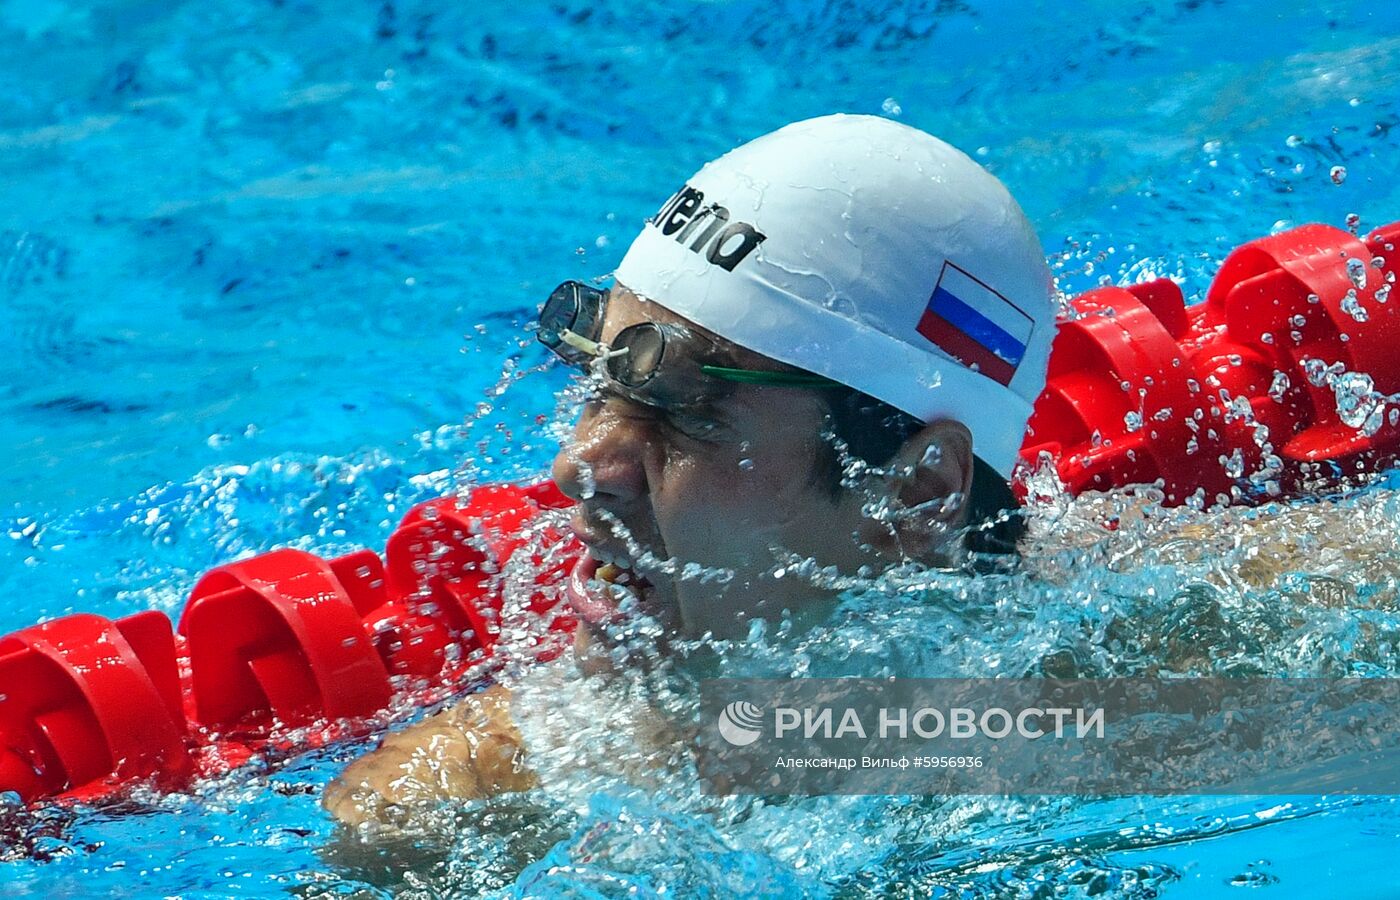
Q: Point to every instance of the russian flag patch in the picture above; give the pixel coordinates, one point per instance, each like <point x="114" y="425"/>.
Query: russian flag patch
<point x="975" y="325"/>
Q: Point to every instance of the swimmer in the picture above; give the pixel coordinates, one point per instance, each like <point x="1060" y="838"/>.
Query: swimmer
<point x="825" y="345"/>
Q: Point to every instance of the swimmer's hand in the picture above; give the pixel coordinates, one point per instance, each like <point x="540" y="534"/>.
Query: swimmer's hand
<point x="466" y="751"/>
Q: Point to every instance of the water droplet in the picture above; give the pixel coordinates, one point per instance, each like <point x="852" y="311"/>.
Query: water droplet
<point x="1353" y="222"/>
<point x="1132" y="421"/>
<point x="1356" y="271"/>
<point x="891" y="107"/>
<point x="746" y="464"/>
<point x="1358" y="404"/>
<point x="1351" y="305"/>
<point x="1279" y="386"/>
<point x="1383" y="293"/>
<point x="1338" y="174"/>
<point x="1234" y="463"/>
<point x="1294" y="140"/>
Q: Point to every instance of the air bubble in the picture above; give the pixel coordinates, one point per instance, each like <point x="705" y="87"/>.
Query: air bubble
<point x="1338" y="174"/>
<point x="1132" y="421"/>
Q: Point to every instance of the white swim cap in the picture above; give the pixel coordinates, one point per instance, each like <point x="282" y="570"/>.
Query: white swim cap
<point x="869" y="252"/>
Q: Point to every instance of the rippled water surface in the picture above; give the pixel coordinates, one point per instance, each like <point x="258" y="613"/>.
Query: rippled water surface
<point x="265" y="268"/>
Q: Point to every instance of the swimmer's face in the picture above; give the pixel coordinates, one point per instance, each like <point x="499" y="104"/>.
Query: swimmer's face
<point x="727" y="485"/>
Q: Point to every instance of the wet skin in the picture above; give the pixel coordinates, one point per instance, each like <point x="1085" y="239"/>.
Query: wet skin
<point x="729" y="485"/>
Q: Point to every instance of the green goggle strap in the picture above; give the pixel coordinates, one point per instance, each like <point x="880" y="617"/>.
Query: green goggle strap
<point x="754" y="376"/>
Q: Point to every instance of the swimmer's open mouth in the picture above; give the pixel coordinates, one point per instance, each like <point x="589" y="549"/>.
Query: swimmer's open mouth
<point x="597" y="589"/>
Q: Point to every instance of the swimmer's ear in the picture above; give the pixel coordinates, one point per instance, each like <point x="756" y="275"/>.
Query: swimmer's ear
<point x="928" y="486"/>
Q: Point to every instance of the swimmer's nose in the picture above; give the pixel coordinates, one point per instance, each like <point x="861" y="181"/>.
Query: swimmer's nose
<point x="605" y="462"/>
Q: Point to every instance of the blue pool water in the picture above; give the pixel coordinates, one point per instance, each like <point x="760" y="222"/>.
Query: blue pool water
<point x="264" y="271"/>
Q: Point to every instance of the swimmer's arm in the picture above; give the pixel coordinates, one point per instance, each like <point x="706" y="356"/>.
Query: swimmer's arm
<point x="469" y="750"/>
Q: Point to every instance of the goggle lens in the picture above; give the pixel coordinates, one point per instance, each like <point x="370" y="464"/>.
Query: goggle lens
<point x="573" y="307"/>
<point x="636" y="354"/>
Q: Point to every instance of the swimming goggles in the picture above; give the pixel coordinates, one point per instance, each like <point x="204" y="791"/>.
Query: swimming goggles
<point x="571" y="322"/>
